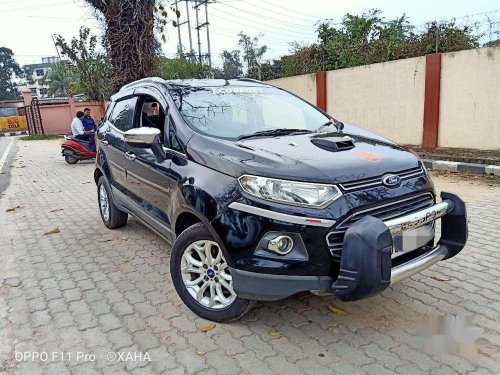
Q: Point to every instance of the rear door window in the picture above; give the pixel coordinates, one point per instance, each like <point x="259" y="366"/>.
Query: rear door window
<point x="122" y="117"/>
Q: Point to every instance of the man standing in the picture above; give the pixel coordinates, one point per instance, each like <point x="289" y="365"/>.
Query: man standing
<point x="79" y="131"/>
<point x="88" y="122"/>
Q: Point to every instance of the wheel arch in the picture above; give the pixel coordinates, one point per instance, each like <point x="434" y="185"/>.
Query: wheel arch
<point x="101" y="168"/>
<point x="97" y="175"/>
<point x="187" y="216"/>
<point x="184" y="220"/>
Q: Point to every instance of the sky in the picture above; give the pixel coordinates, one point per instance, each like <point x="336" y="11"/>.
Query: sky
<point x="27" y="26"/>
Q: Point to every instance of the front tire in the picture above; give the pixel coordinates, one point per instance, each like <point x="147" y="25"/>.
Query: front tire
<point x="202" y="279"/>
<point x="71" y="159"/>
<point x="111" y="216"/>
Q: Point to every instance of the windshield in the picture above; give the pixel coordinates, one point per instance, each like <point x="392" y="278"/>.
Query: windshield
<point x="236" y="111"/>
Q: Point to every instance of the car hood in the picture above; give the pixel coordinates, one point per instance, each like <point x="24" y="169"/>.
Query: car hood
<point x="302" y="157"/>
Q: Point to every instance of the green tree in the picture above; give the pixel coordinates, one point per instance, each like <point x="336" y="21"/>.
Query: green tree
<point x="231" y="64"/>
<point x="92" y="69"/>
<point x="252" y="51"/>
<point x="61" y="80"/>
<point x="180" y="68"/>
<point x="361" y="40"/>
<point x="492" y="43"/>
<point x="8" y="68"/>
<point x="443" y="36"/>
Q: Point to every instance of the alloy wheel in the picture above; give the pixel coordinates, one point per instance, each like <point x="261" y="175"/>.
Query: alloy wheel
<point x="206" y="276"/>
<point x="104" y="202"/>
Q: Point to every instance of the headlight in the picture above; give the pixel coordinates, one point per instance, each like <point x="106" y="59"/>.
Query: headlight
<point x="290" y="192"/>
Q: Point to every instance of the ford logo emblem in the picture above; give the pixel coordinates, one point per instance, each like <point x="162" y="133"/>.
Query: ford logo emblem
<point x="391" y="180"/>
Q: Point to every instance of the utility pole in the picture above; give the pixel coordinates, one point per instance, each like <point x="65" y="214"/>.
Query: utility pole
<point x="202" y="57"/>
<point x="191" y="52"/>
<point x="196" y="7"/>
<point x="179" y="46"/>
<point x="208" y="35"/>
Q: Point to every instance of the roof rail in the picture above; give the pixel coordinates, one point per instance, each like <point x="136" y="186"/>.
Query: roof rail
<point x="141" y="81"/>
<point x="250" y="80"/>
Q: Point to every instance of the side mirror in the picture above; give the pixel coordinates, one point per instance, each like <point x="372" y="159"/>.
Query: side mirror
<point x="142" y="136"/>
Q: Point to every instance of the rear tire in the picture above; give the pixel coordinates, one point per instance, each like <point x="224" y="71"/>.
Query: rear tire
<point x="201" y="277"/>
<point x="111" y="216"/>
<point x="71" y="159"/>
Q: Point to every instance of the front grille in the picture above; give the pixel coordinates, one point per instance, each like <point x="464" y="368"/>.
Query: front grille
<point x="376" y="181"/>
<point x="386" y="211"/>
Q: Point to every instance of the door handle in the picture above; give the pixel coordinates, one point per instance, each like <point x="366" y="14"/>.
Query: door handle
<point x="104" y="142"/>
<point x="130" y="155"/>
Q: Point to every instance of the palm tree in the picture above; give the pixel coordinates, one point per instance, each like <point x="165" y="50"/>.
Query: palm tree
<point x="60" y="79"/>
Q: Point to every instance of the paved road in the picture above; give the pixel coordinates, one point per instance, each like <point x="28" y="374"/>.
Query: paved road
<point x="94" y="291"/>
<point x="8" y="148"/>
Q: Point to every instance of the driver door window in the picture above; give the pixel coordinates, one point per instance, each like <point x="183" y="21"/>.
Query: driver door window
<point x="151" y="115"/>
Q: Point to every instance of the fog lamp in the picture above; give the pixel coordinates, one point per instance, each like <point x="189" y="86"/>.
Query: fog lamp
<point x="281" y="244"/>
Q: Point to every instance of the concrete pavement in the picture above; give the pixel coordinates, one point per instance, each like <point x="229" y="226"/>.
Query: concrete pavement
<point x="86" y="289"/>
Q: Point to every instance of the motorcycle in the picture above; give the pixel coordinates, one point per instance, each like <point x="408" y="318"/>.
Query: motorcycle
<point x="74" y="150"/>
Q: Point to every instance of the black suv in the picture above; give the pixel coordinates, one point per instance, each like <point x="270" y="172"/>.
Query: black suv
<point x="264" y="195"/>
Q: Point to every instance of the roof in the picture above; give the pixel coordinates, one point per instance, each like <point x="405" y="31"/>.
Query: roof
<point x="43" y="65"/>
<point x="216" y="82"/>
<point x="196" y="82"/>
<point x="38" y="65"/>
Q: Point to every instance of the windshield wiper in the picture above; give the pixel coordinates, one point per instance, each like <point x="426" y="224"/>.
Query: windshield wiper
<point x="275" y="132"/>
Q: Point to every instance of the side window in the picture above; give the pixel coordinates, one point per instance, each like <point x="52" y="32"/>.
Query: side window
<point x="123" y="114"/>
<point x="151" y="115"/>
<point x="172" y="137"/>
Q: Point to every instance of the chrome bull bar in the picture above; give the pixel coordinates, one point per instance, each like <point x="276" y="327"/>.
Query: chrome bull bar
<point x="420" y="218"/>
<point x="413" y="221"/>
<point x="418" y="264"/>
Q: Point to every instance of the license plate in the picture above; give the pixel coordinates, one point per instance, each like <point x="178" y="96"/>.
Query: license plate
<point x="412" y="239"/>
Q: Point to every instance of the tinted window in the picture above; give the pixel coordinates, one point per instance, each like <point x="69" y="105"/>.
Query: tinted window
<point x="123" y="114"/>
<point x="233" y="111"/>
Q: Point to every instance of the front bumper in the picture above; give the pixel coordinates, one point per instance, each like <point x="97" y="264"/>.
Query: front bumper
<point x="366" y="265"/>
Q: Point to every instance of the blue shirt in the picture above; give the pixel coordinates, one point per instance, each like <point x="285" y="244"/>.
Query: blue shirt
<point x="89" y="124"/>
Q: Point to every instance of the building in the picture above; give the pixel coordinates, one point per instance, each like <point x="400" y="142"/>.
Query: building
<point x="35" y="74"/>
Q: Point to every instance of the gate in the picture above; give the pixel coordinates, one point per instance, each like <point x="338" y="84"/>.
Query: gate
<point x="34" y="118"/>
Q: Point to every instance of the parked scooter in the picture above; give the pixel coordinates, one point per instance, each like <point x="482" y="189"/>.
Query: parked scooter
<point x="74" y="150"/>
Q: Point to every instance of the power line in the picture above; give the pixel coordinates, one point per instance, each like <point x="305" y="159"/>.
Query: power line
<point x="259" y="23"/>
<point x="230" y="33"/>
<point x="199" y="25"/>
<point x="60" y="19"/>
<point x="260" y="28"/>
<point x="40" y="6"/>
<point x="270" y="18"/>
<point x="289" y="10"/>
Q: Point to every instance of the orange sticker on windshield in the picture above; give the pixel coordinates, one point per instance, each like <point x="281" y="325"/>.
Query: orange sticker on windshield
<point x="369" y="156"/>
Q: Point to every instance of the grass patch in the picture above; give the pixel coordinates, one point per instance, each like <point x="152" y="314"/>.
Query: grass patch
<point x="39" y="137"/>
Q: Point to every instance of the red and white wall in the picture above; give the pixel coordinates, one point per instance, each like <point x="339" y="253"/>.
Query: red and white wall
<point x="438" y="100"/>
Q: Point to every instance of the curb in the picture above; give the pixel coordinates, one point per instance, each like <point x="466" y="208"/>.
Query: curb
<point x="453" y="166"/>
<point x="13" y="134"/>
